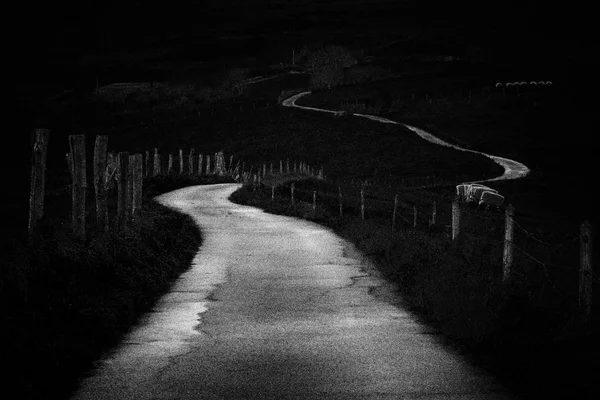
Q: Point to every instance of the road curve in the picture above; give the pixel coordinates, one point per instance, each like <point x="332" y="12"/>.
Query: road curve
<point x="512" y="169"/>
<point x="278" y="308"/>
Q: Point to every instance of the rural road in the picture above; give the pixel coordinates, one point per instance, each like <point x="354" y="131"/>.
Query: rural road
<point x="512" y="169"/>
<point x="279" y="308"/>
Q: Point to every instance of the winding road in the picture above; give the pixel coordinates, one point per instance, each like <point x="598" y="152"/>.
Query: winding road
<point x="512" y="169"/>
<point x="279" y="308"/>
<point x="275" y="307"/>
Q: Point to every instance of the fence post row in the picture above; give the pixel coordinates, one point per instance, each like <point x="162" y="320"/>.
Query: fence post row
<point x="77" y="147"/>
<point x="100" y="178"/>
<point x="38" y="179"/>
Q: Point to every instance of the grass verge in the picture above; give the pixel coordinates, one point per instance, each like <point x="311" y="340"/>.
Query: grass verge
<point x="537" y="346"/>
<point x="65" y="302"/>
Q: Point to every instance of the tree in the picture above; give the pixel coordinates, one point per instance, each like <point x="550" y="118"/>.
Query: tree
<point x="326" y="66"/>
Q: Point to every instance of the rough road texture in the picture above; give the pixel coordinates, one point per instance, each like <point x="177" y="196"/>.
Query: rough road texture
<point x="279" y="308"/>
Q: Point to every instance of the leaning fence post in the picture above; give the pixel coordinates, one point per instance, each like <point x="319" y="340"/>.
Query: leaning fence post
<point x="122" y="190"/>
<point x="292" y="192"/>
<point x="100" y="152"/>
<point x="455" y="221"/>
<point x="191" y="160"/>
<point x="507" y="257"/>
<point x="362" y="202"/>
<point x="77" y="144"/>
<point x="394" y="213"/>
<point x="38" y="179"/>
<point x="585" y="269"/>
<point x="137" y="182"/>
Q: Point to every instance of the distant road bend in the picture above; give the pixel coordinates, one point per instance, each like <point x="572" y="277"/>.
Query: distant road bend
<point x="512" y="169"/>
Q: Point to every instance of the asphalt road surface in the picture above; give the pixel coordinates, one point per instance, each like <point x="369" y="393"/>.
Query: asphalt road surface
<point x="279" y="308"/>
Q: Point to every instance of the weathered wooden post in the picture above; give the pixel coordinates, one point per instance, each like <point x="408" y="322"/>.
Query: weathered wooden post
<point x="170" y="165"/>
<point x="394" y="213"/>
<point x="287" y="165"/>
<point x="292" y="192"/>
<point x="362" y="202"/>
<point x="414" y="216"/>
<point x="271" y="169"/>
<point x="507" y="257"/>
<point x="455" y="221"/>
<point x="191" y="161"/>
<point x="38" y="179"/>
<point x="129" y="197"/>
<point x="147" y="170"/>
<point x="180" y="161"/>
<point x="156" y="170"/>
<point x="122" y="190"/>
<point x="585" y="269"/>
<point x="137" y="183"/>
<point x="100" y="155"/>
<point x="77" y="145"/>
<point x="208" y="164"/>
<point x="433" y="213"/>
<point x="231" y="165"/>
<point x="340" y="197"/>
<point x="295" y="166"/>
<point x="281" y="166"/>
<point x="199" y="164"/>
<point x="272" y="192"/>
<point x="314" y="200"/>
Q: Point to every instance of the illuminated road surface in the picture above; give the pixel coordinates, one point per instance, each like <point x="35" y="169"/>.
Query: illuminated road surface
<point x="278" y="308"/>
<point x="512" y="169"/>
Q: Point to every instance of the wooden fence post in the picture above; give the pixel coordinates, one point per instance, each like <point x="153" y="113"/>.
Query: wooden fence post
<point x="137" y="182"/>
<point x="340" y="197"/>
<point x="191" y="161"/>
<point x="507" y="257"/>
<point x="415" y="216"/>
<point x="433" y="213"/>
<point x="129" y="198"/>
<point x="208" y="164"/>
<point x="292" y="192"/>
<point x="455" y="221"/>
<point x="394" y="213"/>
<point x="147" y="170"/>
<point x="100" y="155"/>
<point x="170" y="165"/>
<point x="294" y="166"/>
<point x="281" y="166"/>
<point x="199" y="164"/>
<point x="585" y="269"/>
<point x="314" y="200"/>
<point x="287" y="165"/>
<point x="156" y="170"/>
<point x="272" y="192"/>
<point x="122" y="190"/>
<point x="362" y="202"/>
<point x="38" y="179"/>
<point x="77" y="144"/>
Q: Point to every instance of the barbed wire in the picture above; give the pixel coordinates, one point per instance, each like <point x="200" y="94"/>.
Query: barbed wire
<point x="544" y="267"/>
